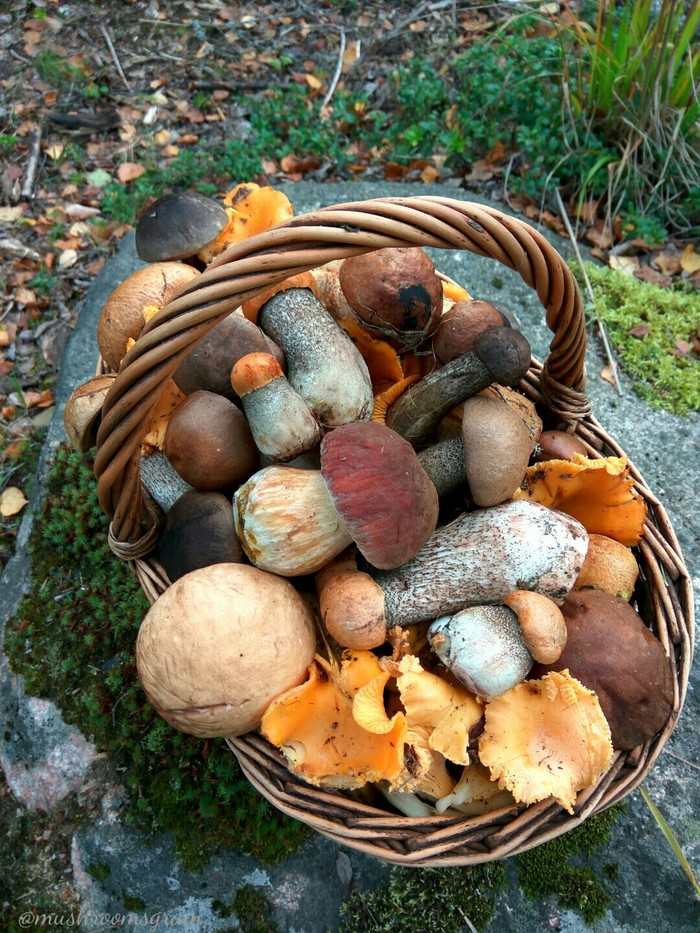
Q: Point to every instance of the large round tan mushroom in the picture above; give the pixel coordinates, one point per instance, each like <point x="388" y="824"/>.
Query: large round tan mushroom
<point x="220" y="645"/>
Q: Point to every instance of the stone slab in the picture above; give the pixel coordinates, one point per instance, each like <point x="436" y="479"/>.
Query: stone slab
<point x="653" y="894"/>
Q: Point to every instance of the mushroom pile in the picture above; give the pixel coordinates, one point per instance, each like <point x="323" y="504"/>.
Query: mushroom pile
<point x="377" y="556"/>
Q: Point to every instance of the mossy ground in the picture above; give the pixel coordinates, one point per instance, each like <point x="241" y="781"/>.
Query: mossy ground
<point x="72" y="640"/>
<point x="662" y="374"/>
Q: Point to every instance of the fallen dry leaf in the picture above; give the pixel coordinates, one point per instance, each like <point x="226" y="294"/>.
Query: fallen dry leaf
<point x="608" y="373"/>
<point x="626" y="264"/>
<point x="68" y="258"/>
<point x="640" y="331"/>
<point x="12" y="501"/>
<point x="429" y="174"/>
<point x="690" y="260"/>
<point x="128" y="171"/>
<point x="8" y="215"/>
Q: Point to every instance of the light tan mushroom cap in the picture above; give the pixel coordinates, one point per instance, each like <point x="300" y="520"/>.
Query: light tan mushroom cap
<point x="541" y="623"/>
<point x="220" y="645"/>
<point x="546" y="737"/>
<point x="609" y="566"/>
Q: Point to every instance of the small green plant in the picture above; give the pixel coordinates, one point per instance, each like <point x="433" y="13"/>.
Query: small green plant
<point x="7" y="141"/>
<point x="636" y="87"/>
<point x="56" y="70"/>
<point x="253" y="911"/>
<point x="442" y="900"/>
<point x="552" y="869"/>
<point x="662" y="374"/>
<point x="43" y="282"/>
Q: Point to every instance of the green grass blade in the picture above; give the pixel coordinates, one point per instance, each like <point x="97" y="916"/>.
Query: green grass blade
<point x="671" y="839"/>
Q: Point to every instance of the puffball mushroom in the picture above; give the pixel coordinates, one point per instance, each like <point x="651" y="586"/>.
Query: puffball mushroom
<point x="395" y="293"/>
<point x="323" y="364"/>
<point x="219" y="645"/>
<point x="122" y="317"/>
<point x="611" y="651"/>
<point x="199" y="531"/>
<point x="209" y="443"/>
<point x="178" y="226"/>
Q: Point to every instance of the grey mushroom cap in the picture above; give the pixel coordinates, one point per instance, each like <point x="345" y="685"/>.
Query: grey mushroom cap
<point x="178" y="226"/>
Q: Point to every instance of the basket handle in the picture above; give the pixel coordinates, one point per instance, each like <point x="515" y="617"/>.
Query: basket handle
<point x="247" y="268"/>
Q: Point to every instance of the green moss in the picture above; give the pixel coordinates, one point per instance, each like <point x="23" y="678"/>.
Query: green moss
<point x="661" y="377"/>
<point x="442" y="900"/>
<point x="554" y="869"/>
<point x="72" y="640"/>
<point x="135" y="904"/>
<point x="100" y="871"/>
<point x="253" y="911"/>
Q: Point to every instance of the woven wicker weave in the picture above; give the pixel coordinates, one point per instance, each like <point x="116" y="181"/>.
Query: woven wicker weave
<point x="664" y="595"/>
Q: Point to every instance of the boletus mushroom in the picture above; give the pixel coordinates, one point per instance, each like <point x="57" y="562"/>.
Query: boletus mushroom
<point x="122" y="316"/>
<point x="611" y="651"/>
<point x="461" y="324"/>
<point x="220" y="644"/>
<point x="209" y="443"/>
<point x="199" y="531"/>
<point x="395" y="293"/>
<point x="178" y="226"/>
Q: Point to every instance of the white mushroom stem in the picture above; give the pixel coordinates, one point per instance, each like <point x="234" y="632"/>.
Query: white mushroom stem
<point x="281" y="424"/>
<point x="162" y="480"/>
<point x="323" y="364"/>
<point x="481" y="557"/>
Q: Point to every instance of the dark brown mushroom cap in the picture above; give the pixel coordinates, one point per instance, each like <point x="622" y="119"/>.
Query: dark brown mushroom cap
<point x="199" y="531"/>
<point x="178" y="226"/>
<point x="395" y="293"/>
<point x="208" y="364"/>
<point x="461" y="324"/>
<point x="209" y="442"/>
<point x="383" y="494"/>
<point x="611" y="651"/>
<point x="505" y="352"/>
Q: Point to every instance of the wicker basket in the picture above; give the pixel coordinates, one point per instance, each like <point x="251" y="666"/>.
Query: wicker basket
<point x="664" y="595"/>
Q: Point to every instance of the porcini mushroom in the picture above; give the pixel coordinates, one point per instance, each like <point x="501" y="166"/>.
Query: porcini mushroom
<point x="611" y="651"/>
<point x="219" y="645"/>
<point x="83" y="411"/>
<point x="122" y="317"/>
<point x="395" y="293"/>
<point x="208" y="364"/>
<point x="209" y="443"/>
<point x="199" y="531"/>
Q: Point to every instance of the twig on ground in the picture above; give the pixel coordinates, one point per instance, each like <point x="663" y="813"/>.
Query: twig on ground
<point x="338" y="69"/>
<point x="589" y="292"/>
<point x="235" y="86"/>
<point x="115" y="57"/>
<point x="32" y="164"/>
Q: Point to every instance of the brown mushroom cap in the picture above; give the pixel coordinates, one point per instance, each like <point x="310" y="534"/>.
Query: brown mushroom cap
<point x="383" y="494"/>
<point x="460" y="325"/>
<point x="220" y="645"/>
<point x="83" y="411"/>
<point x="497" y="447"/>
<point x="611" y="651"/>
<point x="558" y="445"/>
<point x="122" y="316"/>
<point x="199" y="531"/>
<point x="209" y="442"/>
<point x="178" y="225"/>
<point x="609" y="566"/>
<point x="395" y="293"/>
<point x="208" y="364"/>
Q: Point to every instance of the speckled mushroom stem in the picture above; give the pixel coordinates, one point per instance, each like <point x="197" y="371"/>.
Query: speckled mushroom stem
<point x="444" y="464"/>
<point x="481" y="557"/>
<point x="323" y="364"/>
<point x="500" y="355"/>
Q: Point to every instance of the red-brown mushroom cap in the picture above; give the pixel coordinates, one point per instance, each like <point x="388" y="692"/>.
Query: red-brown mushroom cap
<point x="381" y="491"/>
